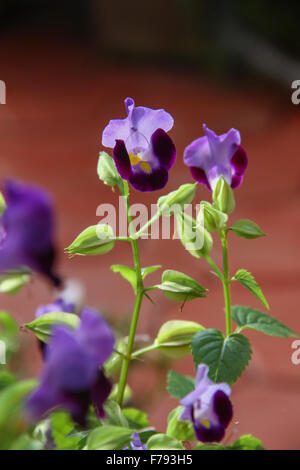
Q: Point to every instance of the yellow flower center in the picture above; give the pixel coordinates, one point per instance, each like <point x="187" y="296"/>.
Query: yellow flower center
<point x="135" y="159"/>
<point x="205" y="423"/>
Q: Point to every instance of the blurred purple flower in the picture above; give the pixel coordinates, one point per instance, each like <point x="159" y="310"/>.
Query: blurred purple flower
<point x="208" y="407"/>
<point x="143" y="151"/>
<point x="136" y="443"/>
<point x="215" y="155"/>
<point x="28" y="226"/>
<point x="58" y="305"/>
<point x="72" y="377"/>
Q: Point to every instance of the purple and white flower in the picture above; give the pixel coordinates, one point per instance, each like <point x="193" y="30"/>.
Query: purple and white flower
<point x="136" y="443"/>
<point x="213" y="155"/>
<point x="143" y="151"/>
<point x="28" y="230"/>
<point x="73" y="378"/>
<point x="208" y="407"/>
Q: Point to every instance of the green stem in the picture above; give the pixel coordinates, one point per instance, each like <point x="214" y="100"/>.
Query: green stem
<point x="152" y="347"/>
<point x="136" y="308"/>
<point x="147" y="224"/>
<point x="214" y="266"/>
<point x="226" y="283"/>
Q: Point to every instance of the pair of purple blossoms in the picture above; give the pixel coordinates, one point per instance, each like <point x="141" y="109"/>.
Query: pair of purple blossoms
<point x="144" y="153"/>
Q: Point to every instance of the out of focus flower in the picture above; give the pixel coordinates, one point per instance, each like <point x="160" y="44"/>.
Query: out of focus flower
<point x="72" y="377"/>
<point x="143" y="151"/>
<point x="136" y="443"/>
<point x="28" y="225"/>
<point x="208" y="407"/>
<point x="215" y="155"/>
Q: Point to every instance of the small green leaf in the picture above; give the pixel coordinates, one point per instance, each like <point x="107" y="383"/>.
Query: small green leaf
<point x="12" y="283"/>
<point x="181" y="430"/>
<point x="179" y="385"/>
<point x="246" y="442"/>
<point x="126" y="272"/>
<point x="180" y="287"/>
<point x="113" y="414"/>
<point x="163" y="442"/>
<point x="61" y="427"/>
<point x="247" y="229"/>
<point x="94" y="240"/>
<point x="43" y="325"/>
<point x="149" y="270"/>
<point x="108" y="438"/>
<point x="210" y="446"/>
<point x="225" y="357"/>
<point x="247" y="280"/>
<point x="136" y="419"/>
<point x="247" y="317"/>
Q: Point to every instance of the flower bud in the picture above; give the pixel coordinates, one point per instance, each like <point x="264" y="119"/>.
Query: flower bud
<point x="107" y="170"/>
<point x="194" y="237"/>
<point x="210" y="217"/>
<point x="175" y="336"/>
<point x="94" y="240"/>
<point x="2" y="204"/>
<point x="223" y="197"/>
<point x="175" y="200"/>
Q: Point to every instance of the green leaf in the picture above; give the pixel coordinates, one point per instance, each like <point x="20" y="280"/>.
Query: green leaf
<point x="245" y="228"/>
<point x="209" y="446"/>
<point x="175" y="336"/>
<point x="61" y="426"/>
<point x="136" y="419"/>
<point x="163" y="442"/>
<point x="9" y="330"/>
<point x="149" y="270"/>
<point x="247" y="317"/>
<point x="6" y="379"/>
<point x="108" y="438"/>
<point x="12" y="283"/>
<point x="225" y="357"/>
<point x="180" y="287"/>
<point x="94" y="240"/>
<point x="247" y="280"/>
<point x="179" y="385"/>
<point x="43" y="325"/>
<point x="181" y="430"/>
<point x="246" y="442"/>
<point x="113" y="414"/>
<point x="126" y="272"/>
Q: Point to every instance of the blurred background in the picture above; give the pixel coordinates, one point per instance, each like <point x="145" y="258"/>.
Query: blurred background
<point x="68" y="65"/>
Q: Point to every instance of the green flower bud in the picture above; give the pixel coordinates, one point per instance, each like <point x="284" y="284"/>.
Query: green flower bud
<point x="107" y="170"/>
<point x="194" y="237"/>
<point x="94" y="240"/>
<point x="113" y="364"/>
<point x="178" y="198"/>
<point x="212" y="218"/>
<point x="223" y="197"/>
<point x="175" y="336"/>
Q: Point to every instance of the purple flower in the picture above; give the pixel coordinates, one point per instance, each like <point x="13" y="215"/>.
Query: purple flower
<point x="208" y="407"/>
<point x="136" y="443"/>
<point x="28" y="226"/>
<point x="69" y="300"/>
<point x="215" y="155"/>
<point x="143" y="151"/>
<point x="58" y="305"/>
<point x="72" y="378"/>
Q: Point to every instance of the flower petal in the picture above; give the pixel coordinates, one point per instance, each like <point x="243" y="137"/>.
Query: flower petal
<point x="122" y="160"/>
<point x="100" y="392"/>
<point x="222" y="407"/>
<point x="239" y="161"/>
<point x="144" y="181"/>
<point x="214" y="433"/>
<point x="147" y="120"/>
<point x="163" y="148"/>
<point x="199" y="175"/>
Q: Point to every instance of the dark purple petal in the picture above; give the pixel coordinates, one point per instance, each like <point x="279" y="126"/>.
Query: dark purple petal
<point x="199" y="175"/>
<point x="100" y="392"/>
<point x="236" y="181"/>
<point x="214" y="433"/>
<point x="122" y="160"/>
<point x="142" y="181"/>
<point x="239" y="161"/>
<point x="222" y="407"/>
<point x="163" y="148"/>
